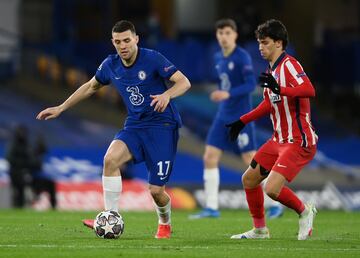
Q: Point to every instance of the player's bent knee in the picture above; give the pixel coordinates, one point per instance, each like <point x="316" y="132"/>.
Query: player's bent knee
<point x="112" y="162"/>
<point x="211" y="156"/>
<point x="156" y="190"/>
<point x="109" y="160"/>
<point x="251" y="178"/>
<point x="247" y="181"/>
<point x="209" y="160"/>
<point x="272" y="195"/>
<point x="271" y="191"/>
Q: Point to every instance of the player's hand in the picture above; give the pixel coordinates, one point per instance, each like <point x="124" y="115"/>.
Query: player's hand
<point x="49" y="113"/>
<point x="160" y="101"/>
<point x="268" y="81"/>
<point x="235" y="128"/>
<point x="219" y="95"/>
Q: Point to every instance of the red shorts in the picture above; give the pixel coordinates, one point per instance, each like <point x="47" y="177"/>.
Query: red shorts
<point x="285" y="158"/>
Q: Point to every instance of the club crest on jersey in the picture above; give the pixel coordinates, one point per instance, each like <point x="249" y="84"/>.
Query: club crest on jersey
<point x="142" y="75"/>
<point x="275" y="98"/>
<point x="231" y="65"/>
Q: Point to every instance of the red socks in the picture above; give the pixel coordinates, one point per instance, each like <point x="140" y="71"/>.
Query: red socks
<point x="289" y="199"/>
<point x="255" y="200"/>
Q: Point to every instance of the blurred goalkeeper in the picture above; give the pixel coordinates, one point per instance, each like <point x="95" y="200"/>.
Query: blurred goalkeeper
<point x="287" y="90"/>
<point x="150" y="133"/>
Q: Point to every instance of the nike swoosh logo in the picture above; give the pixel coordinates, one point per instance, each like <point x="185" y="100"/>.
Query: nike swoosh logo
<point x="162" y="178"/>
<point x="117" y="78"/>
<point x="282" y="166"/>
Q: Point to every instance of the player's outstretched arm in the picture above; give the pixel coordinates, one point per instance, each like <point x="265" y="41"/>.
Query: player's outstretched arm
<point x="84" y="91"/>
<point x="181" y="85"/>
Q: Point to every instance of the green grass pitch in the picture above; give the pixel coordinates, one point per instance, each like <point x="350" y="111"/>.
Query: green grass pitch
<point x="26" y="233"/>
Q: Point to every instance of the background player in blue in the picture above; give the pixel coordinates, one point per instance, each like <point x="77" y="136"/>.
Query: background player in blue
<point x="237" y="81"/>
<point x="150" y="133"/>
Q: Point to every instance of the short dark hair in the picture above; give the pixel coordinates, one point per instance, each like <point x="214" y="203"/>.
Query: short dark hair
<point x="273" y="29"/>
<point x="124" y="25"/>
<point x="222" y="23"/>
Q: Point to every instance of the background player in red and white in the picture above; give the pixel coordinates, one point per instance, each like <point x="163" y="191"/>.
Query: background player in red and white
<point x="287" y="90"/>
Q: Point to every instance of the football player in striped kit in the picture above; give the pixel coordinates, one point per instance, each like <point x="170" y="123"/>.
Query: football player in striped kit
<point x="287" y="93"/>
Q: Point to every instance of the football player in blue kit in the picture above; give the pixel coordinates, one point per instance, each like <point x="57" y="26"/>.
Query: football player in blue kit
<point x="236" y="82"/>
<point x="150" y="133"/>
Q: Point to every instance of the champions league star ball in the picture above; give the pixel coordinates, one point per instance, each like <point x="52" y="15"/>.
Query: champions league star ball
<point x="108" y="224"/>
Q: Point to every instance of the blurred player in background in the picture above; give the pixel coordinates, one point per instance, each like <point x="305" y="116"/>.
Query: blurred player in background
<point x="40" y="182"/>
<point x="150" y="133"/>
<point x="19" y="157"/>
<point x="234" y="67"/>
<point x="237" y="81"/>
<point x="287" y="90"/>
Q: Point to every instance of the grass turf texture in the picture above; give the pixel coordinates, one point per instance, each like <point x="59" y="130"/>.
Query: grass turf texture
<point x="26" y="233"/>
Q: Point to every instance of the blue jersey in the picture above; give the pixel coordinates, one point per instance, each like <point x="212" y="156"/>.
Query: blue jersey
<point x="237" y="77"/>
<point x="145" y="77"/>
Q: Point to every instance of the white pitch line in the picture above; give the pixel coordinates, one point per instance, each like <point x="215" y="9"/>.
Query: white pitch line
<point x="185" y="247"/>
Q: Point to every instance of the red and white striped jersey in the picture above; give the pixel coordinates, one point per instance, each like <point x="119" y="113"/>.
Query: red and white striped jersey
<point x="290" y="111"/>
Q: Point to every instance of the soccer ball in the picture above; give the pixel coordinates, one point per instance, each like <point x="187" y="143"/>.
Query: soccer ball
<point x="109" y="224"/>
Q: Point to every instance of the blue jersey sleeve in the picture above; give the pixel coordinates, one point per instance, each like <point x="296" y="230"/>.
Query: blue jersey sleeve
<point x="249" y="79"/>
<point x="215" y="67"/>
<point x="102" y="73"/>
<point x="164" y="67"/>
